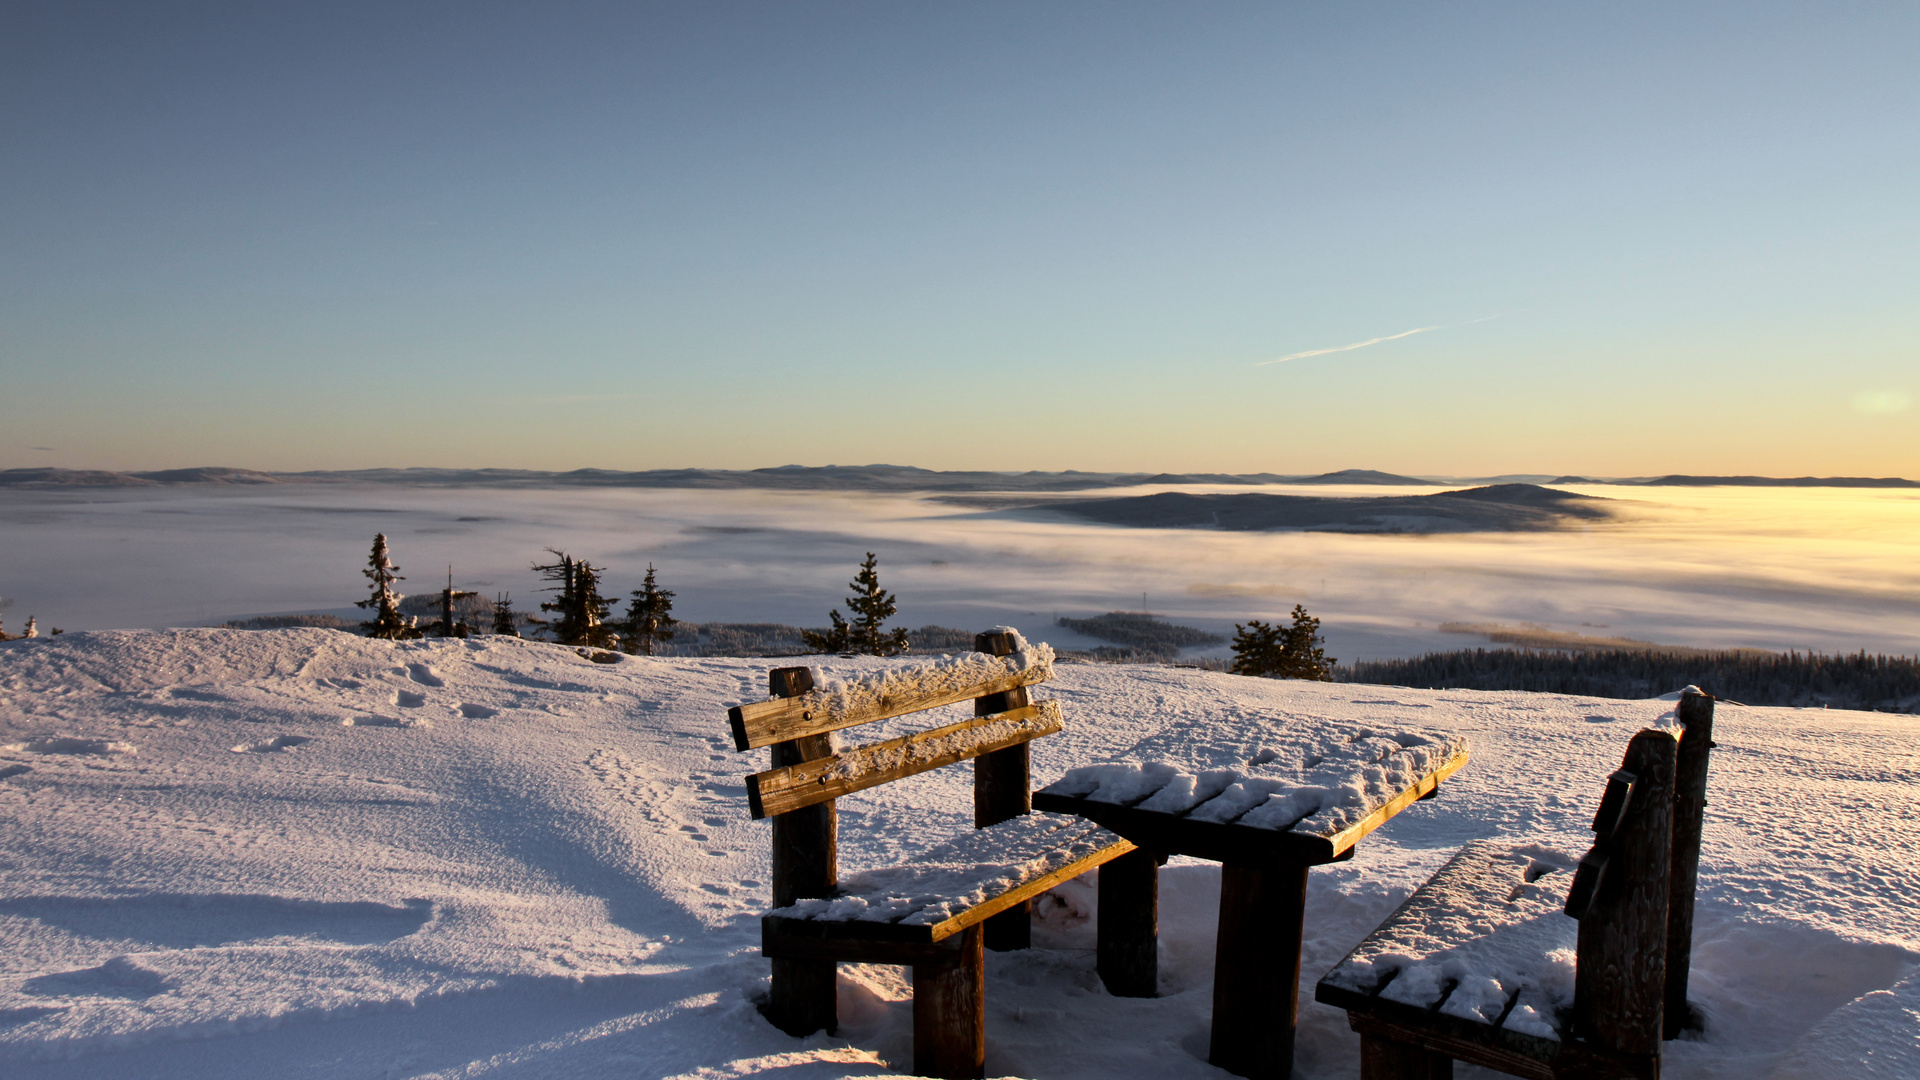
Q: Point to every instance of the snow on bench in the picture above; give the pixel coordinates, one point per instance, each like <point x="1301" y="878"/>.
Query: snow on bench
<point x="1485" y="940"/>
<point x="961" y="882"/>
<point x="1504" y="960"/>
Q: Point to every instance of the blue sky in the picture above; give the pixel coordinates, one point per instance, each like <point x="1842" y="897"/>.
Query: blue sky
<point x="1647" y="238"/>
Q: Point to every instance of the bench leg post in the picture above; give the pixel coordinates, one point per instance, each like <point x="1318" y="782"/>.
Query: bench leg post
<point x="802" y="1001"/>
<point x="1256" y="969"/>
<point x="1129" y="926"/>
<point x="950" y="1013"/>
<point x="1385" y="1059"/>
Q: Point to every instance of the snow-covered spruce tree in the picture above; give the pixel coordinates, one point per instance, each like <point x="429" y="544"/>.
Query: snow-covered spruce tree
<point x="1302" y="655"/>
<point x="506" y="621"/>
<point x="387" y="622"/>
<point x="647" y="620"/>
<point x="579" y="609"/>
<point x="871" y="607"/>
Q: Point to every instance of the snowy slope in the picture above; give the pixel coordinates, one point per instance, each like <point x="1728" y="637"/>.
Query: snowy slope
<point x="302" y="853"/>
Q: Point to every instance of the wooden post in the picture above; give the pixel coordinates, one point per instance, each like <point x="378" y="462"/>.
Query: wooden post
<point x="1621" y="978"/>
<point x="1129" y="927"/>
<point x="950" y="1013"/>
<point x="1689" y="816"/>
<point x="1384" y="1059"/>
<point x="804" y="866"/>
<point x="1003" y="789"/>
<point x="1256" y="969"/>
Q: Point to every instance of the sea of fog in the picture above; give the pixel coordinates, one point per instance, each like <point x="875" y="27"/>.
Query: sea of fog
<point x="1826" y="569"/>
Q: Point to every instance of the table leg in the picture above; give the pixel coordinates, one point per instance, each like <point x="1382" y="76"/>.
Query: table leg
<point x="1128" y="933"/>
<point x="1256" y="969"/>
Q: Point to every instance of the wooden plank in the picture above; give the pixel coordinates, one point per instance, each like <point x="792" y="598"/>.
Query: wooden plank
<point x="1689" y="817"/>
<point x="793" y="946"/>
<point x="950" y="1013"/>
<point x="778" y="792"/>
<point x="1128" y="933"/>
<point x="1385" y="1059"/>
<point x="1620" y="979"/>
<point x="1256" y="969"/>
<point x="805" y="864"/>
<point x="1428" y="785"/>
<point x="763" y="723"/>
<point x="1447" y="1035"/>
<point x="860" y="929"/>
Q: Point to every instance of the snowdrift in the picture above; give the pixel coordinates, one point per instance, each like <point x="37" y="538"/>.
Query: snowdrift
<point x="237" y="854"/>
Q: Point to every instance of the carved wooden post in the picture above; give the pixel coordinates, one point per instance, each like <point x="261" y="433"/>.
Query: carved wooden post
<point x="804" y="866"/>
<point x="1689" y="815"/>
<point x="1002" y="789"/>
<point x="1621" y="982"/>
<point x="1128" y="933"/>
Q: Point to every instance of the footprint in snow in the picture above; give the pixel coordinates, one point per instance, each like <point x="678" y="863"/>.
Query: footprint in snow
<point x="407" y="699"/>
<point x="382" y="721"/>
<point x="13" y="770"/>
<point x="425" y="675"/>
<point x="477" y="712"/>
<point x="83" y="747"/>
<point x="271" y="746"/>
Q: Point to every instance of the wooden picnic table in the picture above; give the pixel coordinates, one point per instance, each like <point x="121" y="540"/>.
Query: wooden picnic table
<point x="1267" y="823"/>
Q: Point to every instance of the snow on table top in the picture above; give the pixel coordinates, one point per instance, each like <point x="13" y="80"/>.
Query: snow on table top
<point x="959" y="874"/>
<point x="1483" y="927"/>
<point x="1323" y="783"/>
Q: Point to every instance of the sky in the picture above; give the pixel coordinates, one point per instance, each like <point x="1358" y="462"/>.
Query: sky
<point x="1467" y="239"/>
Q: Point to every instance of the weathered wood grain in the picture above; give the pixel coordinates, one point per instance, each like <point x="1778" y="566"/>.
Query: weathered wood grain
<point x="1384" y="1059"/>
<point x="1256" y="969"/>
<point x="763" y="723"/>
<point x="1689" y="817"/>
<point x="777" y="792"/>
<point x="1127" y="936"/>
<point x="1003" y="789"/>
<point x="950" y="1015"/>
<point x="1620" y="981"/>
<point x="805" y="865"/>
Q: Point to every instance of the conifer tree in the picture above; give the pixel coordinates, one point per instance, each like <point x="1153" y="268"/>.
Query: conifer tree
<point x="446" y="625"/>
<point x="871" y="606"/>
<point x="647" y="619"/>
<point x="506" y="621"/>
<point x="580" y="610"/>
<point x="1292" y="652"/>
<point x="387" y="622"/>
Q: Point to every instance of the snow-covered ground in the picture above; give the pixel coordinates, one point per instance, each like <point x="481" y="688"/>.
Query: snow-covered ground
<point x="305" y="854"/>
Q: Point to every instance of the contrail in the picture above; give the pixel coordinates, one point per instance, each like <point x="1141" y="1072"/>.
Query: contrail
<point x="1364" y="344"/>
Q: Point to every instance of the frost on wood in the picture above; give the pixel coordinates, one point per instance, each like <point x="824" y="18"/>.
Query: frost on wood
<point x="960" y="874"/>
<point x="860" y="695"/>
<point x="1483" y="928"/>
<point x="1316" y="788"/>
<point x="912" y="754"/>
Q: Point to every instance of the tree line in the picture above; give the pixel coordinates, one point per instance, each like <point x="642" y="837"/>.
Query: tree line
<point x="1857" y="681"/>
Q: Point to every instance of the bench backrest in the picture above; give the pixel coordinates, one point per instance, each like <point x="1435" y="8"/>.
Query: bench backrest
<point x="808" y="773"/>
<point x="1633" y="892"/>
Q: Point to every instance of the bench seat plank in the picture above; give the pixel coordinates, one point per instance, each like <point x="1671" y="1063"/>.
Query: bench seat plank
<point x="1479" y="953"/>
<point x="955" y="885"/>
<point x="780" y="790"/>
<point x="887" y="693"/>
<point x="1310" y="807"/>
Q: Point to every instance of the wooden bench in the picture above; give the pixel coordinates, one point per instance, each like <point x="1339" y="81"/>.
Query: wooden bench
<point x="1472" y="966"/>
<point x="956" y="899"/>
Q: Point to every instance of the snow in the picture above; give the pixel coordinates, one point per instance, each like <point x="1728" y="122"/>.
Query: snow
<point x="838" y="696"/>
<point x="494" y="858"/>
<point x="938" y="884"/>
<point x="1316" y="786"/>
<point x="905" y="754"/>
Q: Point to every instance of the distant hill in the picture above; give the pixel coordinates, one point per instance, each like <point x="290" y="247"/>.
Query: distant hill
<point x="1498" y="508"/>
<point x="1678" y="480"/>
